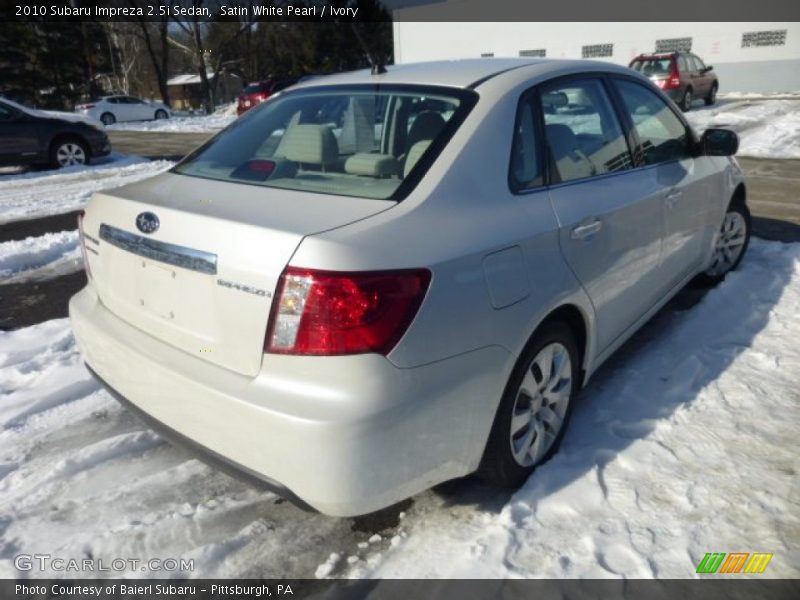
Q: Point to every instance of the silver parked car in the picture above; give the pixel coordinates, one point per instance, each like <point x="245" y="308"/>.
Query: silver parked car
<point x="375" y="283"/>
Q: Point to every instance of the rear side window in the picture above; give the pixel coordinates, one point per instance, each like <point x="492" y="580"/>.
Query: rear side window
<point x="662" y="135"/>
<point x="526" y="163"/>
<point x="584" y="137"/>
<point x="256" y="88"/>
<point x="366" y="141"/>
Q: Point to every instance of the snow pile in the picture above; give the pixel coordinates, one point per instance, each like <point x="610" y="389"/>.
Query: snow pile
<point x="199" y="124"/>
<point x="226" y="110"/>
<point x="37" y="194"/>
<point x="767" y="129"/>
<point x="38" y="258"/>
<point x="686" y="443"/>
<point x="757" y="95"/>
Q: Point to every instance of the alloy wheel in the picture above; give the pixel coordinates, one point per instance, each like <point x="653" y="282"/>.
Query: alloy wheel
<point x="730" y="243"/>
<point x="69" y="154"/>
<point x="541" y="404"/>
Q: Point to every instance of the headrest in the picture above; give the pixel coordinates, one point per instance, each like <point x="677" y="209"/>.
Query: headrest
<point x="310" y="144"/>
<point x="372" y="164"/>
<point x="426" y="126"/>
<point x="414" y="154"/>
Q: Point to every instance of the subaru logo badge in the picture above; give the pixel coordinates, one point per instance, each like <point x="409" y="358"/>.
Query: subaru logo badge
<point x="147" y="222"/>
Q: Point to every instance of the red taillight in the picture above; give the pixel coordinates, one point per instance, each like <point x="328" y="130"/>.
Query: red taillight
<point x="82" y="240"/>
<point x="329" y="313"/>
<point x="87" y="106"/>
<point x="674" y="80"/>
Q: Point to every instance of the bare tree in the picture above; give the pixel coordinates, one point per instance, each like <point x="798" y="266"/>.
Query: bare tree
<point x="211" y="47"/>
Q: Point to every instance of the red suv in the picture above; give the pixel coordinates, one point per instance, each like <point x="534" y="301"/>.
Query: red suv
<point x="681" y="75"/>
<point x="256" y="92"/>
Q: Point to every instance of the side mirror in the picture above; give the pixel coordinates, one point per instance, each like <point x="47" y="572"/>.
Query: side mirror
<point x="708" y="68"/>
<point x="719" y="142"/>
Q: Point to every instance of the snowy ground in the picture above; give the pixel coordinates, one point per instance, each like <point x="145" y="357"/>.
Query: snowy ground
<point x="767" y="128"/>
<point x="183" y="122"/>
<point x="198" y="124"/>
<point x="685" y="443"/>
<point x="34" y="194"/>
<point x="39" y="258"/>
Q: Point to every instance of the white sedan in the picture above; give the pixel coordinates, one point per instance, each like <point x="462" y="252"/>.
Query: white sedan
<point x="111" y="109"/>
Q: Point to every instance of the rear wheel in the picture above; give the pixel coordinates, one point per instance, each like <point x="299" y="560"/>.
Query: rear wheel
<point x="686" y="101"/>
<point x="161" y="114"/>
<point x="535" y="408"/>
<point x="108" y="119"/>
<point x="712" y="95"/>
<point x="68" y="152"/>
<point x="731" y="244"/>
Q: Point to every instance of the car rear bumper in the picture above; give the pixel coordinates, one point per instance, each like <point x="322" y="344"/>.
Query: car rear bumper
<point x="675" y="94"/>
<point x="345" y="435"/>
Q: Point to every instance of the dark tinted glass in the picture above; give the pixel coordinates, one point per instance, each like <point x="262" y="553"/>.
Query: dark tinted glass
<point x="526" y="163"/>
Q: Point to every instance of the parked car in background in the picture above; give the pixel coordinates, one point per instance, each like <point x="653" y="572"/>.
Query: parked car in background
<point x="117" y="109"/>
<point x="258" y="91"/>
<point x="375" y="283"/>
<point x="34" y="137"/>
<point x="681" y="75"/>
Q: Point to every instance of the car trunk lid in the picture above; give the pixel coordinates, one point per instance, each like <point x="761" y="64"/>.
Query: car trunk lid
<point x="204" y="279"/>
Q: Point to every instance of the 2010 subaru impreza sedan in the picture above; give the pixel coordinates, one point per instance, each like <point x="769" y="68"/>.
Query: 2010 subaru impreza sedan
<point x="373" y="283"/>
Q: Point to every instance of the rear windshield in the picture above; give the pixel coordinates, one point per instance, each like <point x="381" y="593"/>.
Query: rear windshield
<point x="255" y="88"/>
<point x="366" y="141"/>
<point x="653" y="66"/>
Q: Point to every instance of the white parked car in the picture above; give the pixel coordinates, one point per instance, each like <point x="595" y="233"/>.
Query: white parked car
<point x="371" y="284"/>
<point x="117" y="109"/>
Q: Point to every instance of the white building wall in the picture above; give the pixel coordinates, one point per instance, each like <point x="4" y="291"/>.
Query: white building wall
<point x="749" y="69"/>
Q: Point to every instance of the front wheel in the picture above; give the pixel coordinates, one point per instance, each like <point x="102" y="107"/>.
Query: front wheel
<point x="161" y="114"/>
<point x="68" y="152"/>
<point x="712" y="95"/>
<point x="535" y="408"/>
<point x="108" y="119"/>
<point x="731" y="244"/>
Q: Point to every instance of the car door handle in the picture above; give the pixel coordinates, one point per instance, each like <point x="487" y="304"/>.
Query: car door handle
<point x="587" y="229"/>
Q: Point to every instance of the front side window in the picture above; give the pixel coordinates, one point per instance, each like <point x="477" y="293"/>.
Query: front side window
<point x="7" y="113"/>
<point x="699" y="64"/>
<point x="662" y="135"/>
<point x="584" y="137"/>
<point x="361" y="141"/>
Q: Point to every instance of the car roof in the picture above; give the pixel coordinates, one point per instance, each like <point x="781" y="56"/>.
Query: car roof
<point x="461" y="73"/>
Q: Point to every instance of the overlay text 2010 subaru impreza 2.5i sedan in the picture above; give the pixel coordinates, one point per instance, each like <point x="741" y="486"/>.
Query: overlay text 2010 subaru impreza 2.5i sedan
<point x="371" y="284"/>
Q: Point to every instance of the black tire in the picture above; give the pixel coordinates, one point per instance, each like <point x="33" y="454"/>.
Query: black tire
<point x="686" y="101"/>
<point x="108" y="119"/>
<point x="75" y="148"/>
<point x="709" y="278"/>
<point x="161" y="114"/>
<point x="712" y="95"/>
<point x="498" y="465"/>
